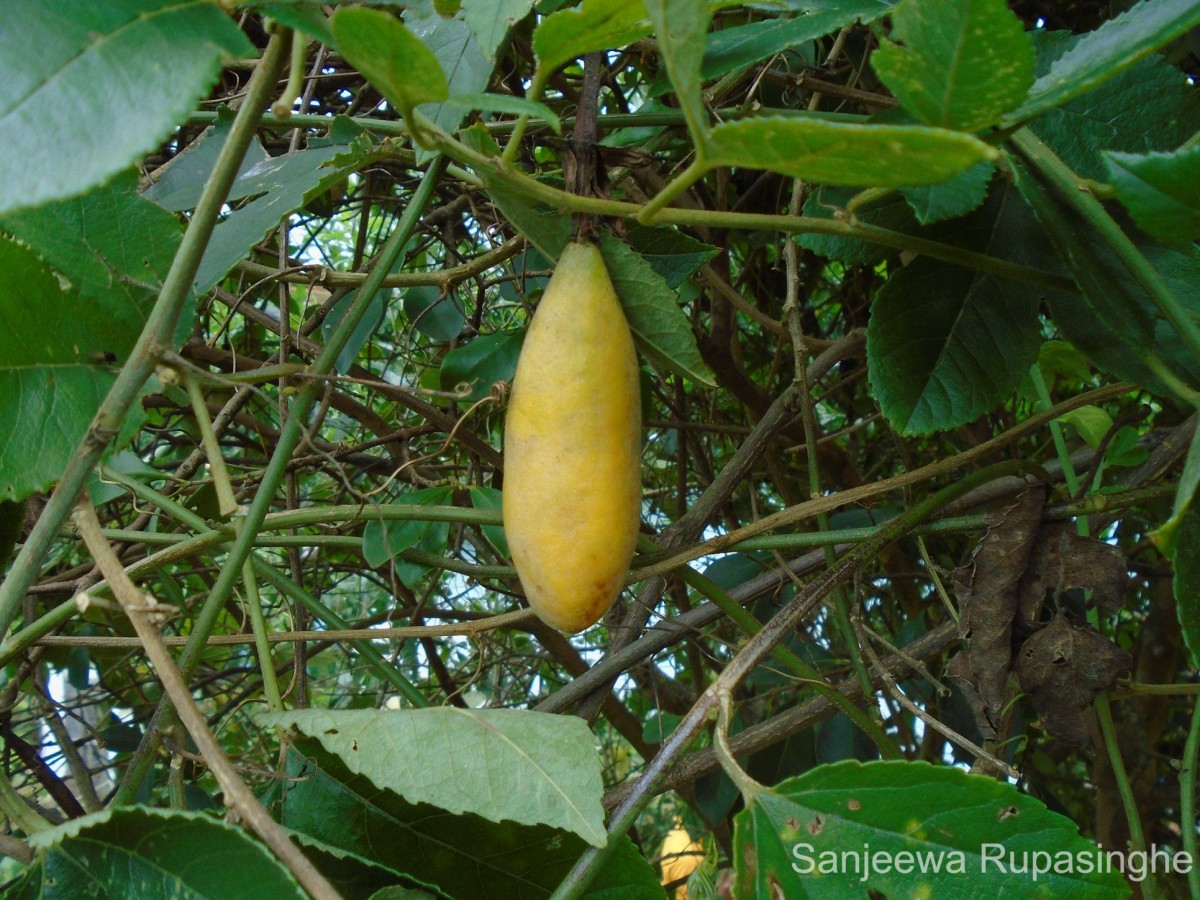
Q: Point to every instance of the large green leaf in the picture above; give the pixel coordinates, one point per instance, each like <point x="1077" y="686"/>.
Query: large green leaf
<point x="88" y="88"/>
<point x="744" y="45"/>
<point x="491" y="20"/>
<point x="482" y="362"/>
<point x="460" y="57"/>
<point x="595" y="25"/>
<point x="351" y="875"/>
<point x="1149" y="107"/>
<point x="1106" y="52"/>
<point x="959" y="63"/>
<point x="285" y="183"/>
<point x="545" y="230"/>
<point x="177" y="185"/>
<point x="826" y="202"/>
<point x="462" y="855"/>
<point x="59" y="346"/>
<point x="383" y="539"/>
<point x="660" y="329"/>
<point x="946" y="344"/>
<point x="910" y="829"/>
<point x="1114" y="323"/>
<point x="671" y="253"/>
<point x="151" y="854"/>
<point x="680" y="26"/>
<point x="79" y="239"/>
<point x="547" y="764"/>
<point x="392" y="57"/>
<point x="843" y="153"/>
<point x="950" y="199"/>
<point x="1160" y="190"/>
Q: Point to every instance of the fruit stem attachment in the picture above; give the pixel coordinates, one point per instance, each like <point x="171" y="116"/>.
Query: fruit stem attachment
<point x="581" y="166"/>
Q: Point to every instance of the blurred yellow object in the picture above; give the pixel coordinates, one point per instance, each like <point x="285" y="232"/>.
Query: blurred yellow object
<point x="681" y="856"/>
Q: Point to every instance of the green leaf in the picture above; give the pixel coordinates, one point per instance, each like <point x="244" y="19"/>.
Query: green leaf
<point x="462" y="856"/>
<point x="548" y="762"/>
<point x="305" y="18"/>
<point x="371" y="319"/>
<point x="392" y="58"/>
<point x="351" y="875"/>
<point x="1189" y="481"/>
<point x="1109" y="50"/>
<point x="671" y="253"/>
<point x="481" y="363"/>
<point x="102" y="84"/>
<point x="491" y="20"/>
<point x="177" y="185"/>
<point x="946" y="344"/>
<point x="1160" y="190"/>
<point x="660" y="328"/>
<point x="744" y="45"/>
<point x="893" y="213"/>
<point x="546" y="231"/>
<point x="596" y="25"/>
<point x="680" y="27"/>
<point x="960" y="63"/>
<point x="1091" y="422"/>
<point x="1149" y="107"/>
<point x="286" y="183"/>
<point x="504" y="103"/>
<point x="950" y="199"/>
<point x="57" y="356"/>
<point x="433" y="314"/>
<point x="807" y="837"/>
<point x="1057" y="359"/>
<point x="490" y="499"/>
<point x="153" y="854"/>
<point x="1114" y="323"/>
<point x="459" y="56"/>
<point x="1125" y="449"/>
<point x="121" y="263"/>
<point x="842" y="153"/>
<point x="1187" y="581"/>
<point x="384" y="540"/>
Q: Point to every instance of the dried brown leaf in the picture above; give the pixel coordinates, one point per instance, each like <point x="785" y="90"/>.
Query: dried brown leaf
<point x="959" y="668"/>
<point x="1063" y="667"/>
<point x="1061" y="560"/>
<point x="988" y="590"/>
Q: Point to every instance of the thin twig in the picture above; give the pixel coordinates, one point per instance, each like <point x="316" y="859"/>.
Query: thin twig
<point x="140" y="607"/>
<point x="944" y="730"/>
<point x="462" y="629"/>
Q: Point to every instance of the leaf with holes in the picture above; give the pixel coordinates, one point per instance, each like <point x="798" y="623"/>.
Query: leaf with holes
<point x="926" y="830"/>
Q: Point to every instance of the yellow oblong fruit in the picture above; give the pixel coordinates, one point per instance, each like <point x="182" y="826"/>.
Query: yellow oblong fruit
<point x="572" y="447"/>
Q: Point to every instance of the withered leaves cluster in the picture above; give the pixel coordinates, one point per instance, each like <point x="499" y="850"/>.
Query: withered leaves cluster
<point x="1017" y="568"/>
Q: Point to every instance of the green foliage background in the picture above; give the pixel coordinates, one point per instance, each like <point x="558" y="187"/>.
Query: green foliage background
<point x="911" y="285"/>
